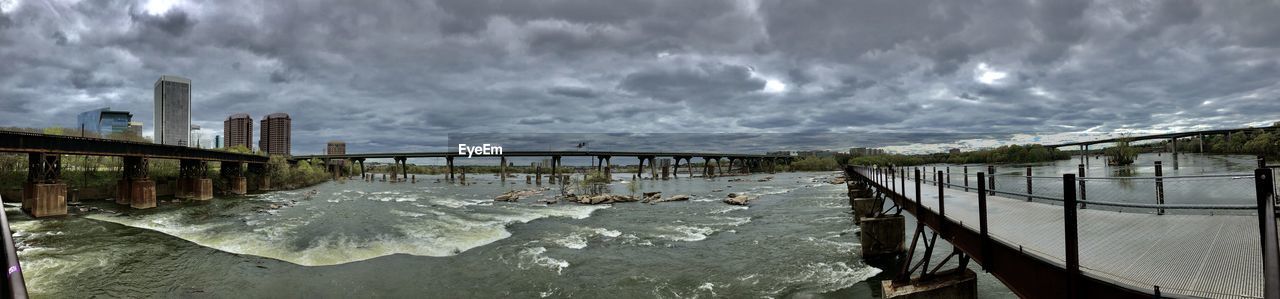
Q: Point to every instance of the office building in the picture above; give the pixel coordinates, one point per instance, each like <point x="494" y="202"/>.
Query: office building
<point x="336" y="148"/>
<point x="239" y="130"/>
<point x="273" y="134"/>
<point x="172" y="122"/>
<point x="103" y="122"/>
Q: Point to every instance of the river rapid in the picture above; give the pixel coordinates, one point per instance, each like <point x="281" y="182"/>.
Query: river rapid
<point x="440" y="239"/>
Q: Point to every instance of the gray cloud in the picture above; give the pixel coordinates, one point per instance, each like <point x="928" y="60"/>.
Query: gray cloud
<point x="402" y="75"/>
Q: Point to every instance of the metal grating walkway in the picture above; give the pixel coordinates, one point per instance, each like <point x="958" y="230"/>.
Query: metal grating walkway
<point x="1192" y="255"/>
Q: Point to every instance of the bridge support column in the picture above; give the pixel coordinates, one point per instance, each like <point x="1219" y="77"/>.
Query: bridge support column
<point x="555" y="161"/>
<point x="136" y="188"/>
<point x="640" y="169"/>
<point x="448" y="161"/>
<point x="192" y="182"/>
<point x="236" y="183"/>
<point x="959" y="283"/>
<point x="261" y="178"/>
<point x="538" y="174"/>
<point x="1175" y="154"/>
<point x="44" y="194"/>
<point x="608" y="168"/>
<point x="882" y="235"/>
<point x="675" y="169"/>
<point x="502" y="169"/>
<point x="653" y="168"/>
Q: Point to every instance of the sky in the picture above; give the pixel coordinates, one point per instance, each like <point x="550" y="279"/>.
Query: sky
<point x="404" y="75"/>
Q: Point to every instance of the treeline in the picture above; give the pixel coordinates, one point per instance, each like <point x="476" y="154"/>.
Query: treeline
<point x="1004" y="154"/>
<point x="1262" y="142"/>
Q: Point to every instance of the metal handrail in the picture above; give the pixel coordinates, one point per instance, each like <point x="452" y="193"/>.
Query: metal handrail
<point x="15" y="286"/>
<point x="1115" y="204"/>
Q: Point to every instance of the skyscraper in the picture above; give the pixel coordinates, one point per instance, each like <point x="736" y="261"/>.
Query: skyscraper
<point x="336" y="148"/>
<point x="239" y="130"/>
<point x="274" y="134"/>
<point x="103" y="122"/>
<point x="173" y="110"/>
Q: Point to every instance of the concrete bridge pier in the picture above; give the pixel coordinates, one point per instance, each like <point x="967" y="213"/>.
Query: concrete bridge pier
<point x="555" y="162"/>
<point x="653" y="169"/>
<point x="136" y="188"/>
<point x="403" y="162"/>
<point x="261" y="180"/>
<point x="44" y="194"/>
<point x="675" y="169"/>
<point x="448" y="161"/>
<point x="233" y="173"/>
<point x="538" y="174"/>
<point x="640" y="169"/>
<point x="192" y="180"/>
<point x="608" y="171"/>
<point x="719" y="167"/>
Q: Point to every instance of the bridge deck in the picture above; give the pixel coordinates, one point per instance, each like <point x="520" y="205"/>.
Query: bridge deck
<point x="1194" y="255"/>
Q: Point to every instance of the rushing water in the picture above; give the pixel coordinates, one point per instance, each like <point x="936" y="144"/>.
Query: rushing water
<point x="436" y="239"/>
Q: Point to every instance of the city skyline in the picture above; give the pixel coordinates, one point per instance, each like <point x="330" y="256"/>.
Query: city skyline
<point x="1062" y="70"/>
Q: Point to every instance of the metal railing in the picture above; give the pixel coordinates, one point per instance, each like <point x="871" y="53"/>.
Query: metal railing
<point x="1213" y="193"/>
<point x="14" y="286"/>
<point x="1264" y="191"/>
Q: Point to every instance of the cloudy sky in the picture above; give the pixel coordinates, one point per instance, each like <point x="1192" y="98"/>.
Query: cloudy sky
<point x="402" y="75"/>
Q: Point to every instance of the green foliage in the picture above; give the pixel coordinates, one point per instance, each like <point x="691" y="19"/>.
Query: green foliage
<point x="1004" y="154"/>
<point x="1121" y="153"/>
<point x="814" y="163"/>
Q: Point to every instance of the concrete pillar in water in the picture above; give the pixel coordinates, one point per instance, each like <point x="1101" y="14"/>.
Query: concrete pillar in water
<point x="608" y="171"/>
<point x="640" y="169"/>
<point x="959" y="284"/>
<point x="555" y="161"/>
<point x="136" y="188"/>
<point x="44" y="194"/>
<point x="502" y="170"/>
<point x="653" y="169"/>
<point x="528" y="179"/>
<point x="463" y="176"/>
<point x="538" y="174"/>
<point x="238" y="185"/>
<point x="862" y="208"/>
<point x="882" y="236"/>
<point x="413" y="179"/>
<point x="675" y="169"/>
<point x="449" y="162"/>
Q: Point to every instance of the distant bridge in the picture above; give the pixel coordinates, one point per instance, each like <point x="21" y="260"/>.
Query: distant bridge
<point x="745" y="161"/>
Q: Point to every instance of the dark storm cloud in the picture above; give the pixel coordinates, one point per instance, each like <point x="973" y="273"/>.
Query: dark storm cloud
<point x="401" y="75"/>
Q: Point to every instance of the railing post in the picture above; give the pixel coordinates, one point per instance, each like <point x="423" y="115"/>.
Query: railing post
<point x="947" y="179"/>
<point x="893" y="179"/>
<point x="1028" y="183"/>
<point x="1267" y="230"/>
<point x="1159" y="188"/>
<point x="1071" y="235"/>
<point x="942" y="205"/>
<point x="1082" y="175"/>
<point x="966" y="178"/>
<point x="982" y="220"/>
<point x="991" y="179"/>
<point x="918" y="203"/>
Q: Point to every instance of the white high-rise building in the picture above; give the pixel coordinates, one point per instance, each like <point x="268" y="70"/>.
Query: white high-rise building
<point x="172" y="123"/>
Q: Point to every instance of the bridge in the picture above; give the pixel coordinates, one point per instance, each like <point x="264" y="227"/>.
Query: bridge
<point x="44" y="193"/>
<point x="1172" y="137"/>
<point x="1061" y="245"/>
<point x="745" y="162"/>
